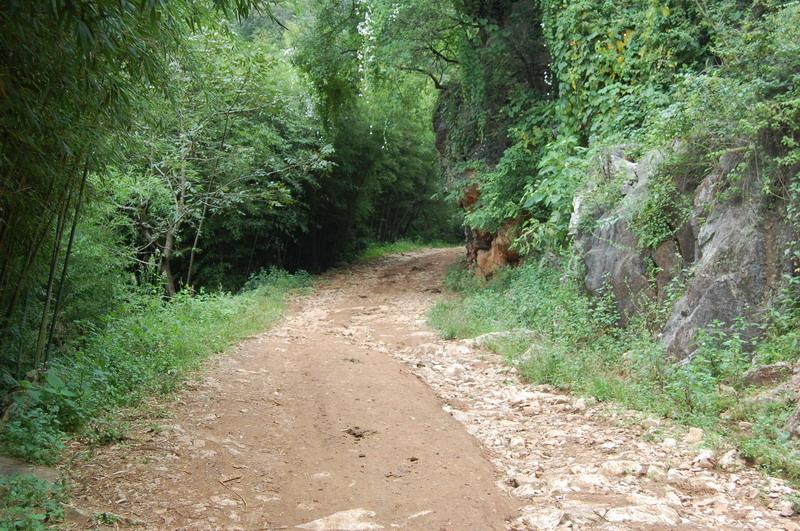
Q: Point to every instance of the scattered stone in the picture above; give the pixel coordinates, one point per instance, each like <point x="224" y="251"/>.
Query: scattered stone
<point x="694" y="436"/>
<point x="516" y="442"/>
<point x="351" y="520"/>
<point x="669" y="443"/>
<point x="522" y="399"/>
<point x="705" y="459"/>
<point x="644" y="514"/>
<point x="579" y="406"/>
<point x="358" y="433"/>
<point x="731" y="462"/>
<point x="656" y="473"/>
<point x="419" y="515"/>
<point x="650" y="423"/>
<point x="621" y="468"/>
<point x="673" y="499"/>
<point x="590" y="481"/>
<point x="530" y="411"/>
<point x="510" y="335"/>
<point x="541" y="519"/>
<point x="454" y="371"/>
<point x="785" y="508"/>
<point x="527" y="490"/>
<point x="583" y="514"/>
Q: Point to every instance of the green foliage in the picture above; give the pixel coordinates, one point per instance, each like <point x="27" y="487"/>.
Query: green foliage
<point x="147" y="348"/>
<point x="34" y="435"/>
<point x="385" y="181"/>
<point x="661" y="214"/>
<point x="533" y="131"/>
<point x="614" y="61"/>
<point x="74" y="74"/>
<point x="746" y="104"/>
<point x="579" y="347"/>
<point x="153" y="148"/>
<point x="29" y="503"/>
<point x="516" y="174"/>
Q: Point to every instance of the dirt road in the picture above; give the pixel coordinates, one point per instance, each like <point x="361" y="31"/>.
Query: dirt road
<point x="352" y="414"/>
<point x="311" y="419"/>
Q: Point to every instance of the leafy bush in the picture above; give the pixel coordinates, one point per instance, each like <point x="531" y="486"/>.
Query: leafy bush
<point x="579" y="348"/>
<point x="30" y="503"/>
<point x="661" y="214"/>
<point x="146" y="350"/>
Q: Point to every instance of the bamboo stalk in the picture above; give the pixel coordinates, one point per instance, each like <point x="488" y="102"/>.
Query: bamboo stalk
<point x="51" y="279"/>
<point x="60" y="292"/>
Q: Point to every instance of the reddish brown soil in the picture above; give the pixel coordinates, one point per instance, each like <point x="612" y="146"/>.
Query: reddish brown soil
<point x="312" y="418"/>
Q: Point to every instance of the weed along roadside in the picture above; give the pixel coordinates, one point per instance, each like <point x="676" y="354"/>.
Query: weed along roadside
<point x="110" y="378"/>
<point x="542" y="323"/>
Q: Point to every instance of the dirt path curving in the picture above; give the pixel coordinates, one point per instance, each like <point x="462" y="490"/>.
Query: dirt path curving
<point x="311" y="419"/>
<point x="352" y="414"/>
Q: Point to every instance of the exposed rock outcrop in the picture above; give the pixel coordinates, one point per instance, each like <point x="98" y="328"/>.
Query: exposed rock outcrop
<point x="500" y="252"/>
<point x="488" y="251"/>
<point x="729" y="252"/>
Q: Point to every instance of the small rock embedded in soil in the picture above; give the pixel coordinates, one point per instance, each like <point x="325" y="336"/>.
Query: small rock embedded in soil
<point x="767" y="374"/>
<point x="694" y="436"/>
<point x="704" y="459"/>
<point x="350" y="520"/>
<point x="359" y="433"/>
<point x="785" y="508"/>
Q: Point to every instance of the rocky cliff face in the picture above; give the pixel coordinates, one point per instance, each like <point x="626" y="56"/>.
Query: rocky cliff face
<point x="506" y="56"/>
<point x="724" y="263"/>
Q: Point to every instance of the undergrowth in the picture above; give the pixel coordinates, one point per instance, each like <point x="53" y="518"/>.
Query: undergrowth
<point x="580" y="348"/>
<point x="30" y="503"/>
<point x="146" y="349"/>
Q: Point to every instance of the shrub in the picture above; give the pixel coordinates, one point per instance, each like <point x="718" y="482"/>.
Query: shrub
<point x="29" y="503"/>
<point x="148" y="349"/>
<point x="579" y="348"/>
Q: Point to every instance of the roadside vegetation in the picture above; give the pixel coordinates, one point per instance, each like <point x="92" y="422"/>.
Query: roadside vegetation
<point x="155" y="159"/>
<point x="146" y="349"/>
<point x="559" y="335"/>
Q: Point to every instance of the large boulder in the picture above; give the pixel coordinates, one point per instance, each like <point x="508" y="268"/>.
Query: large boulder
<point x="614" y="261"/>
<point x="730" y="253"/>
<point x="739" y="264"/>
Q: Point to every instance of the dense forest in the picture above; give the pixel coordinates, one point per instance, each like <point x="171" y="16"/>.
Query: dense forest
<point x="156" y="149"/>
<point x="164" y="162"/>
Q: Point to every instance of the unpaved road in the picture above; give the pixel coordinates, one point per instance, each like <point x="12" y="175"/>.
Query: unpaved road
<point x="352" y="414"/>
<point x="308" y="420"/>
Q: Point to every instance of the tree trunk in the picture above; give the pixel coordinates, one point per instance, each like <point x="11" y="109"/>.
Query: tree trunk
<point x="166" y="268"/>
<point x="40" y="340"/>
<point x="194" y="244"/>
<point x="60" y="292"/>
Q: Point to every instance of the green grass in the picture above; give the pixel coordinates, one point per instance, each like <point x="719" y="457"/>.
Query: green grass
<point x="580" y="348"/>
<point x="148" y="349"/>
<point x="377" y="250"/>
